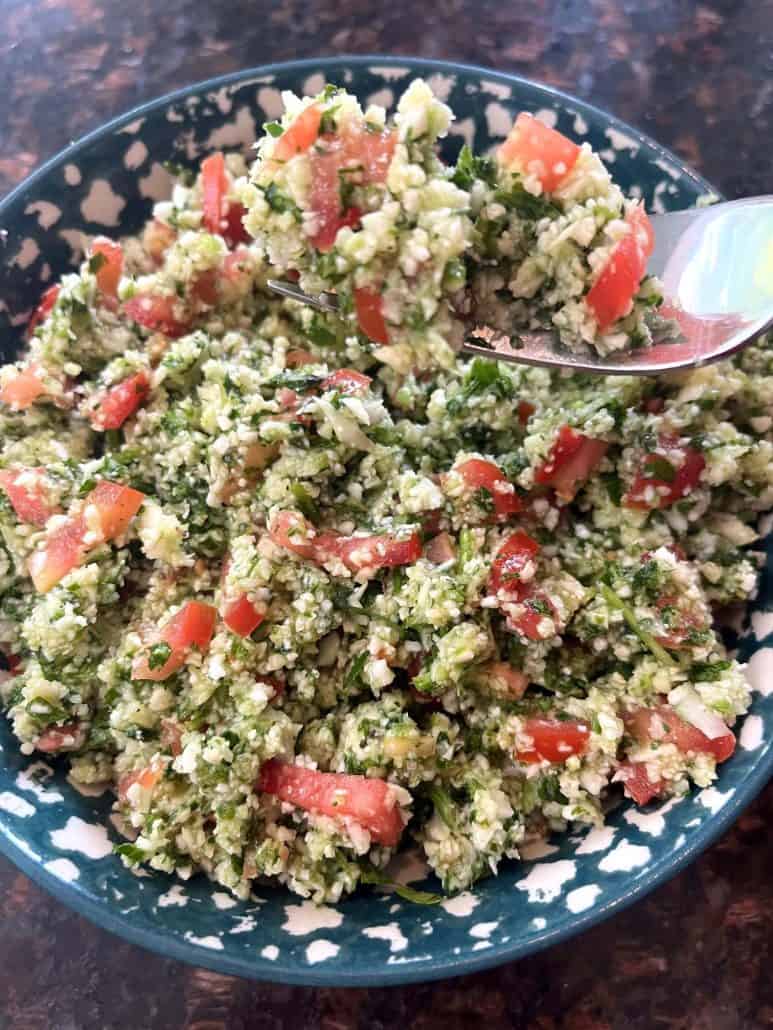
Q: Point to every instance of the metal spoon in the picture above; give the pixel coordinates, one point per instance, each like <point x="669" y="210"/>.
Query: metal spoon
<point x="716" y="266"/>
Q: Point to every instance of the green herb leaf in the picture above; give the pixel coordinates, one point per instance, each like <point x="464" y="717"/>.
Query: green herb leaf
<point x="277" y="200"/>
<point x="416" y="897"/>
<point x="273" y="129"/>
<point x="647" y="639"/>
<point x="517" y="198"/>
<point x="306" y="503"/>
<point x="97" y="261"/>
<point x="159" y="655"/>
<point x="656" y="467"/>
<point x="444" y="806"/>
<point x="469" y="168"/>
<point x="708" y="672"/>
<point x="130" y="852"/>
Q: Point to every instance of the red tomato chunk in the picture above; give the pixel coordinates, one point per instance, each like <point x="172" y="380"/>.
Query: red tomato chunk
<point x="120" y="402"/>
<point x="534" y="149"/>
<point x="572" y="459"/>
<point x="370" y="803"/>
<point x="192" y="626"/>
<point x="479" y="474"/>
<point x="27" y="490"/>
<point x="554" y="740"/>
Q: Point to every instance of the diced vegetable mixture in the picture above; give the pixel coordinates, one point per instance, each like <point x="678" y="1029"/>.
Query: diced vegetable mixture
<point x="306" y="590"/>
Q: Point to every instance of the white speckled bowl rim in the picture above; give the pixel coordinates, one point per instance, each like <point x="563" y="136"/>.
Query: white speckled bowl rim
<point x="304" y="949"/>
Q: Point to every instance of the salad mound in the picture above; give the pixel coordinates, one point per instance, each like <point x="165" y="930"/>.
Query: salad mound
<point x="305" y="590"/>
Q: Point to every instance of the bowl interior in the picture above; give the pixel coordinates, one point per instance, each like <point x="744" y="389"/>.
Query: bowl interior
<point x="108" y="183"/>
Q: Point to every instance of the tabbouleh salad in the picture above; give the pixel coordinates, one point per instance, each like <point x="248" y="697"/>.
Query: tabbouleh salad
<point x="307" y="589"/>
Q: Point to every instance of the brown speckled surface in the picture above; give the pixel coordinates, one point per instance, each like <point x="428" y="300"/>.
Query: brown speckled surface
<point x="696" y="955"/>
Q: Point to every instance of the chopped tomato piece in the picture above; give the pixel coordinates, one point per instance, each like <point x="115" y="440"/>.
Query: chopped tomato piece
<point x="661" y="483"/>
<point x="214" y="186"/>
<point x="68" y="737"/>
<point x="115" y="504"/>
<point x="553" y="740"/>
<point x="43" y="310"/>
<point x="109" y="275"/>
<point x="503" y="679"/>
<point x="171" y="736"/>
<point x="369" y="802"/>
<point x="147" y="779"/>
<point x="23" y="387"/>
<point x="329" y="225"/>
<point x="192" y="626"/>
<point x="572" y="458"/>
<point x="299" y="135"/>
<point x="119" y="402"/>
<point x="534" y="149"/>
<point x="234" y="232"/>
<point x="157" y="238"/>
<point x="637" y="783"/>
<point x="156" y="312"/>
<point x="525" y="410"/>
<point x="27" y="490"/>
<point x="298" y="358"/>
<point x="289" y="529"/>
<point x="529" y="621"/>
<point x="104" y="514"/>
<point x="612" y="293"/>
<point x="370" y="315"/>
<point x="440" y="549"/>
<point x="204" y="287"/>
<point x="242" y="617"/>
<point x="516" y="556"/>
<point x="662" y="725"/>
<point x="347" y="380"/>
<point x="368" y="552"/>
<point x="485" y="475"/>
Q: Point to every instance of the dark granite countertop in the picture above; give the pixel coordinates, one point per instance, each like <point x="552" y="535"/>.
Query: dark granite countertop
<point x="697" y="76"/>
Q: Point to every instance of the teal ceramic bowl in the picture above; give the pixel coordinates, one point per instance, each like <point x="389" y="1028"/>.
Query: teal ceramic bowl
<point x="63" y="840"/>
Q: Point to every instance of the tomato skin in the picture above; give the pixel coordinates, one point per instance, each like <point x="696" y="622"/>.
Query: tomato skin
<point x="156" y="312"/>
<point x="368" y="552"/>
<point x="440" y="549"/>
<point x="510" y="681"/>
<point x="29" y="500"/>
<point x="661" y="724"/>
<point x="370" y="316"/>
<point x="171" y="736"/>
<point x="193" y="625"/>
<point x="480" y="474"/>
<point x="120" y="402"/>
<point x="43" y="310"/>
<point x="554" y="740"/>
<point x="242" y="617"/>
<point x="611" y="295"/>
<point x="525" y="410"/>
<point x="299" y="135"/>
<point x="105" y="513"/>
<point x="636" y="782"/>
<point x="518" y="551"/>
<point x="214" y="186"/>
<point x="109" y="275"/>
<point x="347" y="381"/>
<point x="289" y="529"/>
<point x="573" y="457"/>
<point x="366" y="801"/>
<point x="234" y="232"/>
<point x="68" y="737"/>
<point x="23" y="388"/>
<point x="686" y="478"/>
<point x="538" y="150"/>
<point x="147" y="779"/>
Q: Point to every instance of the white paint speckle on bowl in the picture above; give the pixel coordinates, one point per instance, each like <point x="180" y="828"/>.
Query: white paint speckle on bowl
<point x="63" y="869"/>
<point x="271" y="952"/>
<point x="15" y="805"/>
<point x="102" y="205"/>
<point x="752" y="733"/>
<point x="582" y="898"/>
<point x="89" y="839"/>
<point x="208" y="941"/>
<point x="652" y="823"/>
<point x="461" y="906"/>
<point x="175" y="896"/>
<point x="599" y="839"/>
<point x="391" y="933"/>
<point x="624" y="858"/>
<point x="546" y="880"/>
<point x="498" y="118"/>
<point x="714" y="799"/>
<point x="308" y="917"/>
<point x="321" y="951"/>
<point x="223" y="901"/>
<point x="483" y="930"/>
